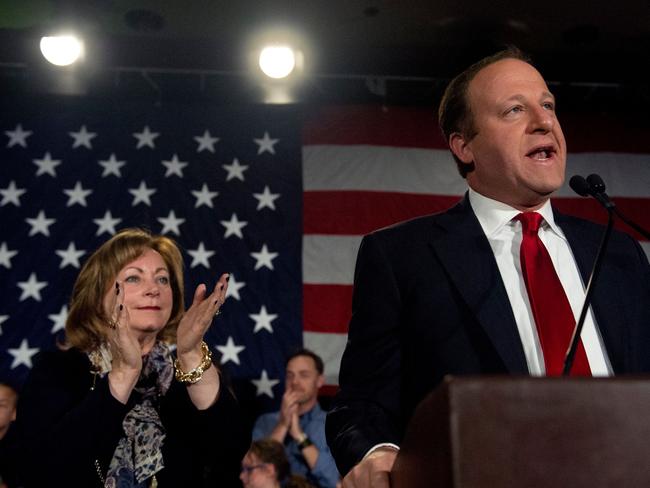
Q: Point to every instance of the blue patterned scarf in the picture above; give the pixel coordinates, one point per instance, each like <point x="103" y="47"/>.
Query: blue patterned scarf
<point x="138" y="455"/>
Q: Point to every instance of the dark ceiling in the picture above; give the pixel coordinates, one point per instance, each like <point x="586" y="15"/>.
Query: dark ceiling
<point x="599" y="44"/>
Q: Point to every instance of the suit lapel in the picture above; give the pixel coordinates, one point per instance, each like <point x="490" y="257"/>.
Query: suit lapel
<point x="467" y="256"/>
<point x="584" y="245"/>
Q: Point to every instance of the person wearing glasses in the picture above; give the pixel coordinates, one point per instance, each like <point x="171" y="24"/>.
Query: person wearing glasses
<point x="266" y="466"/>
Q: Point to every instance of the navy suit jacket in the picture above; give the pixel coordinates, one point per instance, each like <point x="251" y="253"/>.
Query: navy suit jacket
<point x="429" y="301"/>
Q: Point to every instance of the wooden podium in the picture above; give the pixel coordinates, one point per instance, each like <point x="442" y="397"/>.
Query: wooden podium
<point x="528" y="432"/>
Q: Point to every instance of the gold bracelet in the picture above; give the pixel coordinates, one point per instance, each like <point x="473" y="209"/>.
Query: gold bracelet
<point x="195" y="374"/>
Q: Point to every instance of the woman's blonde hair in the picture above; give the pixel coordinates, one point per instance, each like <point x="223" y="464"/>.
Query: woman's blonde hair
<point x="86" y="327"/>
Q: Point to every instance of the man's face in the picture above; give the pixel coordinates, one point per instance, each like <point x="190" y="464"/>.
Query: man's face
<point x="519" y="151"/>
<point x="303" y="377"/>
<point x="7" y="408"/>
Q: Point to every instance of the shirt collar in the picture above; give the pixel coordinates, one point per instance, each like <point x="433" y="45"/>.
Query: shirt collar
<point x="310" y="413"/>
<point x="494" y="215"/>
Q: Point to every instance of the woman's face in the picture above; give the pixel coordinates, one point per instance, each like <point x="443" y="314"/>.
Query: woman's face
<point x="257" y="474"/>
<point x="145" y="292"/>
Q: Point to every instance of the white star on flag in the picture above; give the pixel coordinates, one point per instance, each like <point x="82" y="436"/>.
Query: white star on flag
<point x="40" y="224"/>
<point x="59" y="319"/>
<point x="263" y="320"/>
<point x="146" y="138"/>
<point x="266" y="198"/>
<point x="174" y="166"/>
<point x="233" y="287"/>
<point x="171" y="223"/>
<point x="235" y="170"/>
<point x="206" y="141"/>
<point x="70" y="256"/>
<point x="46" y="165"/>
<point x="200" y="256"/>
<point x="11" y="194"/>
<point x="106" y="224"/>
<point x="18" y="136"/>
<point x="31" y="288"/>
<point x="233" y="226"/>
<point x="77" y="195"/>
<point x="82" y="138"/>
<point x="230" y="351"/>
<point x="264" y="258"/>
<point x="3" y="319"/>
<point x="141" y="194"/>
<point x="5" y="255"/>
<point x="265" y="385"/>
<point x="112" y="166"/>
<point x="204" y="196"/>
<point x="23" y="354"/>
<point x="266" y="144"/>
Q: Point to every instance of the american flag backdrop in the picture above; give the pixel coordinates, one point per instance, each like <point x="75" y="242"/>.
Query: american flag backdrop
<point x="225" y="183"/>
<point x="278" y="196"/>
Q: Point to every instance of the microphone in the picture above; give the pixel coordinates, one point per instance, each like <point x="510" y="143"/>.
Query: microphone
<point x="597" y="190"/>
<point x="595" y="187"/>
<point x="579" y="185"/>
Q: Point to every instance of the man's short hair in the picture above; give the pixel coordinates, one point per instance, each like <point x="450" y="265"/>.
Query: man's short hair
<point x="320" y="367"/>
<point x="455" y="113"/>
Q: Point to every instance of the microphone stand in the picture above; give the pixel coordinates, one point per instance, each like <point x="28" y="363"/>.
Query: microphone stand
<point x="634" y="225"/>
<point x="596" y="188"/>
<point x="575" y="339"/>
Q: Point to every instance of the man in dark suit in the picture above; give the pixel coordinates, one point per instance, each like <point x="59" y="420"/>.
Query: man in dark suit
<point x="446" y="293"/>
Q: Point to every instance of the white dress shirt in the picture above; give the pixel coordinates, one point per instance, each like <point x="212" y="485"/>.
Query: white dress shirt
<point x="505" y="235"/>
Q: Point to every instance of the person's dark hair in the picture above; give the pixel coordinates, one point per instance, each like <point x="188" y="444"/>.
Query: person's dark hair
<point x="272" y="452"/>
<point x="320" y="367"/>
<point x="454" y="112"/>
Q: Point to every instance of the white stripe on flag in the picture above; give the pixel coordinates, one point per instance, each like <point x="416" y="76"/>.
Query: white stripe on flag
<point x="378" y="168"/>
<point x="433" y="171"/>
<point x="625" y="174"/>
<point x="329" y="260"/>
<point x="330" y="348"/>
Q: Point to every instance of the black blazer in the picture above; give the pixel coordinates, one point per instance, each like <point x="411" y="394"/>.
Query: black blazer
<point x="429" y="301"/>
<point x="63" y="426"/>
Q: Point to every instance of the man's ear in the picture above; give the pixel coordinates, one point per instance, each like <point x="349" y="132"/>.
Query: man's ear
<point x="321" y="380"/>
<point x="461" y="148"/>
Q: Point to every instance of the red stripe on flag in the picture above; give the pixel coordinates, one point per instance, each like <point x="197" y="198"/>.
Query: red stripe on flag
<point x="418" y="127"/>
<point x="328" y="390"/>
<point x="374" y="125"/>
<point x="360" y="212"/>
<point x="327" y="308"/>
<point x="635" y="209"/>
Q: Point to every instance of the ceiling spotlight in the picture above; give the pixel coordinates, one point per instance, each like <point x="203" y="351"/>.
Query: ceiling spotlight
<point x="62" y="50"/>
<point x="277" y="61"/>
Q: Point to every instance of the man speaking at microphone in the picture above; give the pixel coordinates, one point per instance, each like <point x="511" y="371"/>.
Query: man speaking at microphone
<point x="493" y="285"/>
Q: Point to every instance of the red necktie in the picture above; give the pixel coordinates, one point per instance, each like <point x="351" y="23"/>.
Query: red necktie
<point x="551" y="310"/>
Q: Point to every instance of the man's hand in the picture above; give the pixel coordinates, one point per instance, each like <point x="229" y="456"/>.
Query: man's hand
<point x="373" y="471"/>
<point x="288" y="408"/>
